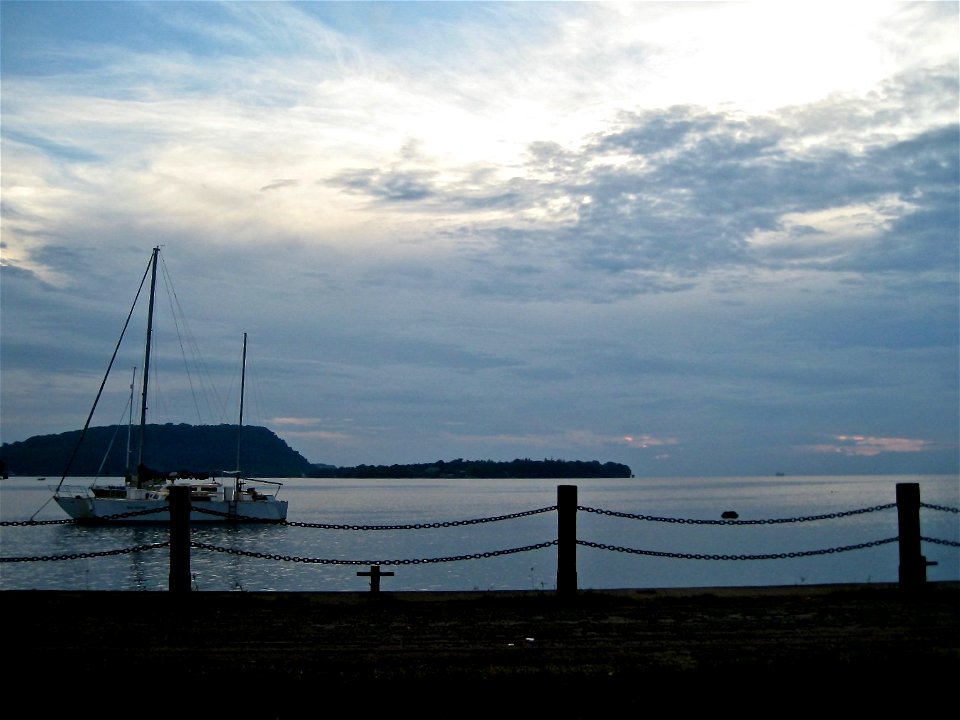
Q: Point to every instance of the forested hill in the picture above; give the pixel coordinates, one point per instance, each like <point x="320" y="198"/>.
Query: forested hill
<point x="196" y="448"/>
<point x="213" y="449"/>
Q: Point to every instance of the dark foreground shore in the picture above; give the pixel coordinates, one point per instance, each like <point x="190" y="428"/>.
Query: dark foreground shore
<point x="295" y="654"/>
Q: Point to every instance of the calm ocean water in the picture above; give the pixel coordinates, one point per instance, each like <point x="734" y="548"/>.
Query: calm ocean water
<point x="425" y="502"/>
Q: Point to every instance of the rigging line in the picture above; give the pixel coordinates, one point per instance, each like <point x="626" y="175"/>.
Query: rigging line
<point x="236" y="381"/>
<point x="210" y="396"/>
<point x="171" y="295"/>
<point x="257" y="387"/>
<point x="116" y="430"/>
<point x="103" y="382"/>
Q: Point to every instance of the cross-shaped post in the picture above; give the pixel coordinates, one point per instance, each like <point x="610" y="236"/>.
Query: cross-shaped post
<point x="375" y="574"/>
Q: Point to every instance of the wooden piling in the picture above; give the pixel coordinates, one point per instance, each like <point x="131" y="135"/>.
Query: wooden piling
<point x="567" y="539"/>
<point x="913" y="565"/>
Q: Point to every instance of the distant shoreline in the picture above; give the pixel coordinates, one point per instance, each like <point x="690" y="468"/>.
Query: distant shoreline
<point x="205" y="448"/>
<point x="481" y="470"/>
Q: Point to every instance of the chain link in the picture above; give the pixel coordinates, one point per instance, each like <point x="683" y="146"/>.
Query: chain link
<point x="938" y="541"/>
<point x="418" y="561"/>
<point x="85" y="521"/>
<point x="774" y="521"/>
<point x="770" y="556"/>
<point x="423" y="526"/>
<point x="18" y="523"/>
<point x="101" y="553"/>
<point x="940" y="507"/>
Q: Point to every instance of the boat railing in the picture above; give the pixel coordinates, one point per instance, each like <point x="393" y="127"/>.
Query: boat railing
<point x="245" y="493"/>
<point x="248" y="480"/>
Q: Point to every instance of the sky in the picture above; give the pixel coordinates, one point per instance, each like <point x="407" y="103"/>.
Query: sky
<point x="699" y="239"/>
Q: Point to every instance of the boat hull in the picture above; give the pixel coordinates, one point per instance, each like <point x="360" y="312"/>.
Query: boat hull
<point x="103" y="510"/>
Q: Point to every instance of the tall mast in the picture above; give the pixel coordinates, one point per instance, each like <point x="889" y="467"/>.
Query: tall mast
<point x="146" y="360"/>
<point x="133" y="382"/>
<point x="243" y="378"/>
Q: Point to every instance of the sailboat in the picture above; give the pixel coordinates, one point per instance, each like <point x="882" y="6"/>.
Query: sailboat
<point x="143" y="498"/>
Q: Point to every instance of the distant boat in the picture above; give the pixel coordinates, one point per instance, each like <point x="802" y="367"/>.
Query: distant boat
<point x="780" y="474"/>
<point x="146" y="489"/>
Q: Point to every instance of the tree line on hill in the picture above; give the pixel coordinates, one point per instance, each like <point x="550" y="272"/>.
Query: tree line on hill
<point x="213" y="449"/>
<point x="520" y="468"/>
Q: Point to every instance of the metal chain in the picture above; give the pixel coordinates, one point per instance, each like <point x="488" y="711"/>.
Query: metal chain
<point x="940" y="507"/>
<point x="476" y="521"/>
<point x="419" y="561"/>
<point x="83" y="521"/>
<point x="937" y="541"/>
<point x="774" y="521"/>
<point x="101" y="553"/>
<point x="495" y="553"/>
<point x="770" y="556"/>
<point x="423" y="526"/>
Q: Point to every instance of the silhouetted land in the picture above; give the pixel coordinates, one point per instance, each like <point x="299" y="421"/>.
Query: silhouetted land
<point x="212" y="449"/>
<point x="520" y="468"/>
<point x="754" y="651"/>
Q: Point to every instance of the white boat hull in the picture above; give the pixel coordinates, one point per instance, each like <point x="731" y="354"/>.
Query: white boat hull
<point x="92" y="509"/>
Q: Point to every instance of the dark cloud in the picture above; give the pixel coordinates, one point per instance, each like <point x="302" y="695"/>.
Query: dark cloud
<point x="394" y="186"/>
<point x="670" y="195"/>
<point x="279" y="184"/>
<point x="697" y="186"/>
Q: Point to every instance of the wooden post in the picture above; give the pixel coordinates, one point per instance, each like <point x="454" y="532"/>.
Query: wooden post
<point x="179" y="499"/>
<point x="375" y="574"/>
<point x="913" y="565"/>
<point x="566" y="539"/>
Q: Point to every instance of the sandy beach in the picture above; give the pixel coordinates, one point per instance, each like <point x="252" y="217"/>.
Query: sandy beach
<point x="244" y="651"/>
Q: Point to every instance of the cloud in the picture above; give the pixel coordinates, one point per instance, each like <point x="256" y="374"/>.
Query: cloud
<point x="295" y="421"/>
<point x="865" y="446"/>
<point x="393" y="186"/>
<point x="645" y="441"/>
<point x="571" y="439"/>
<point x="279" y="184"/>
<point x="551" y="226"/>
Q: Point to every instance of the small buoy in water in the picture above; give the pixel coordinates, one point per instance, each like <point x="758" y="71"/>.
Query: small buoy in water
<point x="729" y="515"/>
